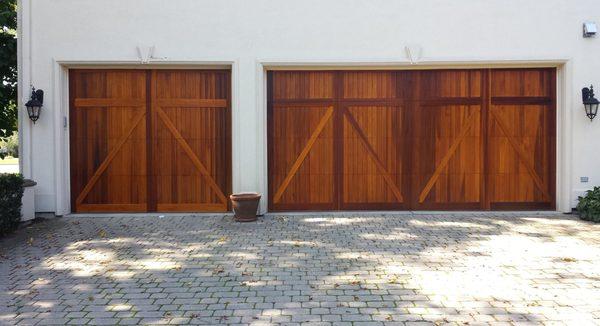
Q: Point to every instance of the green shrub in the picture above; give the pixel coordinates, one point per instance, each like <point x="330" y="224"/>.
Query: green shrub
<point x="11" y="192"/>
<point x="589" y="205"/>
<point x="12" y="146"/>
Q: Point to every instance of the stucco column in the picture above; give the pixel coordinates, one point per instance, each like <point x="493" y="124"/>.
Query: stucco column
<point x="248" y="130"/>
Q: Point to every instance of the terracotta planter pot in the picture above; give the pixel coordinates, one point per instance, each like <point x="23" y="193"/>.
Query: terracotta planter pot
<point x="245" y="206"/>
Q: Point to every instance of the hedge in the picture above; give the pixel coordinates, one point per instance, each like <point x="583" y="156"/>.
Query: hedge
<point x="11" y="193"/>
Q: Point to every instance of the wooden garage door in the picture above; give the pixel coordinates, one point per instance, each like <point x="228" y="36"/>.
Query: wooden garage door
<point x="521" y="139"/>
<point x="372" y="148"/>
<point x="302" y="142"/>
<point x="447" y="137"/>
<point x="422" y="140"/>
<point x="146" y="140"/>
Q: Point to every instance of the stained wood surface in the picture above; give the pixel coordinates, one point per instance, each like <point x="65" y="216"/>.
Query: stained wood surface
<point x="522" y="138"/>
<point x="108" y="140"/>
<point x="422" y="140"/>
<point x="146" y="140"/>
<point x="191" y="140"/>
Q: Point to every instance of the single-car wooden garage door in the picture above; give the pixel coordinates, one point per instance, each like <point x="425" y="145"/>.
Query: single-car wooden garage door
<point x="150" y="140"/>
<point x="475" y="139"/>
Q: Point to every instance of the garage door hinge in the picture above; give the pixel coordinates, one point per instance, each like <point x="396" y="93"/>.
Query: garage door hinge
<point x="65" y="123"/>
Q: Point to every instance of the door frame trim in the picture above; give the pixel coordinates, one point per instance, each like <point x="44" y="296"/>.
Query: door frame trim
<point x="564" y="95"/>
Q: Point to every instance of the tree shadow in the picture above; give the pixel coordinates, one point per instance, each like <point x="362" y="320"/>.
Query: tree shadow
<point x="473" y="268"/>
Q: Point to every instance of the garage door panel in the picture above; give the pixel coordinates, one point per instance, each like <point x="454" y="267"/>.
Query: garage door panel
<point x="179" y="178"/>
<point x="203" y="139"/>
<point x="191" y="116"/>
<point x="435" y="84"/>
<point x="123" y="179"/>
<point x="372" y="156"/>
<point x="302" y="85"/>
<point x="302" y="165"/>
<point x="95" y="84"/>
<point x="108" y="140"/>
<point x="210" y="84"/>
<point x="522" y="82"/>
<point x="125" y="85"/>
<point x="447" y="166"/>
<point x="521" y="154"/>
<point x="88" y="85"/>
<point x="126" y="175"/>
<point x="368" y="85"/>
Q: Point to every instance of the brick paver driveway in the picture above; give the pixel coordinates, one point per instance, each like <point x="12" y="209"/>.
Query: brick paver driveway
<point x="371" y="270"/>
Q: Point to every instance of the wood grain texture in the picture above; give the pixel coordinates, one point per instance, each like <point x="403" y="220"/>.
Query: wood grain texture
<point x="109" y="158"/>
<point x="436" y="139"/>
<point x="372" y="159"/>
<point x="522" y="139"/>
<point x="108" y="140"/>
<point x="108" y="102"/>
<point x="446" y="162"/>
<point x="443" y="162"/>
<point x="145" y="140"/>
<point x="302" y="174"/>
<point x="303" y="154"/>
<point x="192" y="151"/>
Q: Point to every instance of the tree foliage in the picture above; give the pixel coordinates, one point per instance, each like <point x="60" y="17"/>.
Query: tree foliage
<point x="8" y="68"/>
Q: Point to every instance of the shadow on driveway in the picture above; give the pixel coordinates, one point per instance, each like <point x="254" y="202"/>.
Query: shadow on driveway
<point x="464" y="268"/>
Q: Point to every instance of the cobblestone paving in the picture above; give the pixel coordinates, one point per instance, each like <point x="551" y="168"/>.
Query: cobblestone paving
<point x="314" y="270"/>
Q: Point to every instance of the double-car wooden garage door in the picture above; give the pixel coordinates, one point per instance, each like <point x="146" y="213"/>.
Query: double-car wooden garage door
<point x="422" y="140"/>
<point x="150" y="140"/>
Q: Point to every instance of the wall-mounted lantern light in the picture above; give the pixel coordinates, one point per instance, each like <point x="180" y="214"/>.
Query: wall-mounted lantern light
<point x="590" y="102"/>
<point x="34" y="105"/>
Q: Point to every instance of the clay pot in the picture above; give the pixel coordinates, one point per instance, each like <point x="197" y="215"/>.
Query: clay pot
<point x="245" y="206"/>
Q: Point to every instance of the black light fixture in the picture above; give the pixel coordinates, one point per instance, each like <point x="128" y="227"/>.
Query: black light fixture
<point x="590" y="102"/>
<point x="34" y="105"/>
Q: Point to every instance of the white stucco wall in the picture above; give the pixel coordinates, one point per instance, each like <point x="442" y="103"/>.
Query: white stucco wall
<point x="250" y="35"/>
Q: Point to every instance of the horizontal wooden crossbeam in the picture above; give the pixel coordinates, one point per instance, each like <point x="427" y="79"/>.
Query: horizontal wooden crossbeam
<point x="108" y="102"/>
